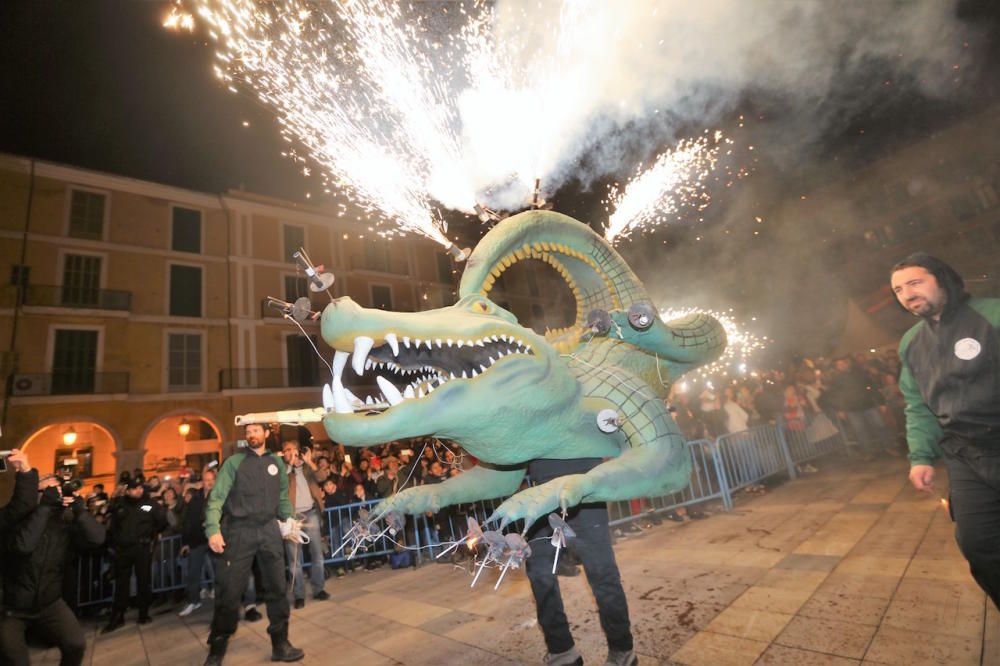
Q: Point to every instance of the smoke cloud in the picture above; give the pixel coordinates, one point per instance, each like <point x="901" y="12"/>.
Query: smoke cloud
<point x="585" y="71"/>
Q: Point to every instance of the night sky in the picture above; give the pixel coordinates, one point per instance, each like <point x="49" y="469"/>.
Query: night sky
<point x="101" y="84"/>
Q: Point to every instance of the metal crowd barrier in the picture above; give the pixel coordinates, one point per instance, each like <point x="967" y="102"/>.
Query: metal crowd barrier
<point x="720" y="468"/>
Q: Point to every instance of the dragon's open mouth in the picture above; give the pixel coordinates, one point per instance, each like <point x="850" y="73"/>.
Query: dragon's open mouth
<point x="419" y="365"/>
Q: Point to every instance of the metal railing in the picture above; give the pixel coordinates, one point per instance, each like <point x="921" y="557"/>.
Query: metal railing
<point x="70" y="383"/>
<point x="720" y="467"/>
<point x="77" y="297"/>
<point x="268" y="378"/>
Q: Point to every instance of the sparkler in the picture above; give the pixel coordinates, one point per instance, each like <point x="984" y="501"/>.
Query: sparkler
<point x="353" y="85"/>
<point x="741" y="344"/>
<point x="674" y="181"/>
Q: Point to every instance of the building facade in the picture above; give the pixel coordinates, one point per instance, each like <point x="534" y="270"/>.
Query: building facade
<point x="134" y="322"/>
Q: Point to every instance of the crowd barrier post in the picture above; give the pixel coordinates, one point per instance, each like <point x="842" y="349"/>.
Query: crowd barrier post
<point x="720" y="473"/>
<point x="783" y="443"/>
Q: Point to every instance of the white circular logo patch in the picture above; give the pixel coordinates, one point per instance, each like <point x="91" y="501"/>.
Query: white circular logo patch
<point x="967" y="349"/>
<point x="272" y="469"/>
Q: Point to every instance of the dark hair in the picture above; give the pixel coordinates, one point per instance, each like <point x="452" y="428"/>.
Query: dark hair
<point x="946" y="276"/>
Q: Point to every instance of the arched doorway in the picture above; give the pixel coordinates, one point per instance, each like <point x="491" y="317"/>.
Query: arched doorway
<point x="78" y="447"/>
<point x="178" y="442"/>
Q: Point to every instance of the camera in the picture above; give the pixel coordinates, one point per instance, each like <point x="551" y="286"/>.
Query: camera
<point x="70" y="486"/>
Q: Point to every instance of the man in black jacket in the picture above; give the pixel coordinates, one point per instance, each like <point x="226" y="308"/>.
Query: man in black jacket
<point x="22" y="501"/>
<point x="194" y="543"/>
<point x="136" y="520"/>
<point x="37" y="551"/>
<point x="856" y="399"/>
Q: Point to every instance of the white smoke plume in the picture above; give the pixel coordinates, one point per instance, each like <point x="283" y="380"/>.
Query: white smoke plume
<point x="561" y="81"/>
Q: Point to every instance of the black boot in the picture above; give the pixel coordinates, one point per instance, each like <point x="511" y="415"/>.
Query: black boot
<point x="116" y="621"/>
<point x="282" y="650"/>
<point x="216" y="651"/>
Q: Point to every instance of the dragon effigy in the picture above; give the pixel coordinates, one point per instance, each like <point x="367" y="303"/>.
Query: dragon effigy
<point x="470" y="373"/>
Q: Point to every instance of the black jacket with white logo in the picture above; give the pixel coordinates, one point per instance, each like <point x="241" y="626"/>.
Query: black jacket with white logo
<point x="950" y="377"/>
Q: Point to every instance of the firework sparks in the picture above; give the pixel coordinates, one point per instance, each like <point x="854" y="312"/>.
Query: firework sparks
<point x="741" y="344"/>
<point x="178" y="19"/>
<point x="674" y="181"/>
<point x="351" y="86"/>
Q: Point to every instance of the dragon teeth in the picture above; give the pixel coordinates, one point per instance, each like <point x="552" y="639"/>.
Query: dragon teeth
<point x="393" y="343"/>
<point x="392" y="393"/>
<point x="482" y="368"/>
<point x="408" y="393"/>
<point x="341" y="403"/>
<point x="362" y="345"/>
<point x="339" y="362"/>
<point x="420" y="393"/>
<point x="327" y="398"/>
<point x="406" y="342"/>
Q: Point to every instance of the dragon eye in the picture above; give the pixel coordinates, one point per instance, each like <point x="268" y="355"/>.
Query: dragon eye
<point x="641" y="316"/>
<point x="482" y="307"/>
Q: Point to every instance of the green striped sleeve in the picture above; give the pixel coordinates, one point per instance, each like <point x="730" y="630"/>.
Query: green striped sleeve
<point x="922" y="428"/>
<point x="989" y="308"/>
<point x="285" y="509"/>
<point x="217" y="498"/>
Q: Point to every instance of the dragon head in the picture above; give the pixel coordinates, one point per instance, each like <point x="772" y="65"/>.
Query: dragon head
<point x="471" y="373"/>
<point x="458" y="372"/>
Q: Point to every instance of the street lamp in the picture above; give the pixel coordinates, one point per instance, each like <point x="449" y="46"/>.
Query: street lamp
<point x="184" y="428"/>
<point x="69" y="437"/>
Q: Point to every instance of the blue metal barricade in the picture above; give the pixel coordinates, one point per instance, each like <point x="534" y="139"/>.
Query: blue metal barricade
<point x="719" y="469"/>
<point x="706" y="484"/>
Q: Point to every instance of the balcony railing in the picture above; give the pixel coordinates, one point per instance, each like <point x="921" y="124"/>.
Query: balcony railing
<point x="70" y="383"/>
<point x="77" y="297"/>
<point x="269" y="378"/>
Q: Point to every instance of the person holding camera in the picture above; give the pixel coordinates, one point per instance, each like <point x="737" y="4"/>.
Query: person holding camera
<point x="307" y="501"/>
<point x="136" y="521"/>
<point x="37" y="550"/>
<point x="23" y="499"/>
<point x="25" y="496"/>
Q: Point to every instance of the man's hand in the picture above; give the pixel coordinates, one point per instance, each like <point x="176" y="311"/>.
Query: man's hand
<point x="922" y="478"/>
<point x="308" y="458"/>
<point x="217" y="543"/>
<point x="842" y="416"/>
<point x="19" y="461"/>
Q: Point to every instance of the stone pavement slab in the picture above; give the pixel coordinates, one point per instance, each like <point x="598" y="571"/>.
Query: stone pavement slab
<point x="846" y="566"/>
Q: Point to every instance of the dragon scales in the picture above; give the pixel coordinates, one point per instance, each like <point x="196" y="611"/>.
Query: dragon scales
<point x="508" y="395"/>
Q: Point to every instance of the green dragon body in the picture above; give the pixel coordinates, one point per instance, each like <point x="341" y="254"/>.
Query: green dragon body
<point x="508" y="395"/>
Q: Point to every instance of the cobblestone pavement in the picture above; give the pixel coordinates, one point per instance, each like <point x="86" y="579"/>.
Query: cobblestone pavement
<point x="845" y="566"/>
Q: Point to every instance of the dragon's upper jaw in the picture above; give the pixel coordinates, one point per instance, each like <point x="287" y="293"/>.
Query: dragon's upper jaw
<point x="413" y="368"/>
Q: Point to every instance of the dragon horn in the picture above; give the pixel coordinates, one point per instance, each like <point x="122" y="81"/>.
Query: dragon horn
<point x="596" y="274"/>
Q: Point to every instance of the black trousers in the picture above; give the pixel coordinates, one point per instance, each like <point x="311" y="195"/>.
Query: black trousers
<point x="244" y="542"/>
<point x="592" y="546"/>
<point x="138" y="557"/>
<point x="974" y="475"/>
<point x="55" y="623"/>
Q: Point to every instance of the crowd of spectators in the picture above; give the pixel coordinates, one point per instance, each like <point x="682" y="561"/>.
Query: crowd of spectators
<point x="345" y="477"/>
<point x="856" y="393"/>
